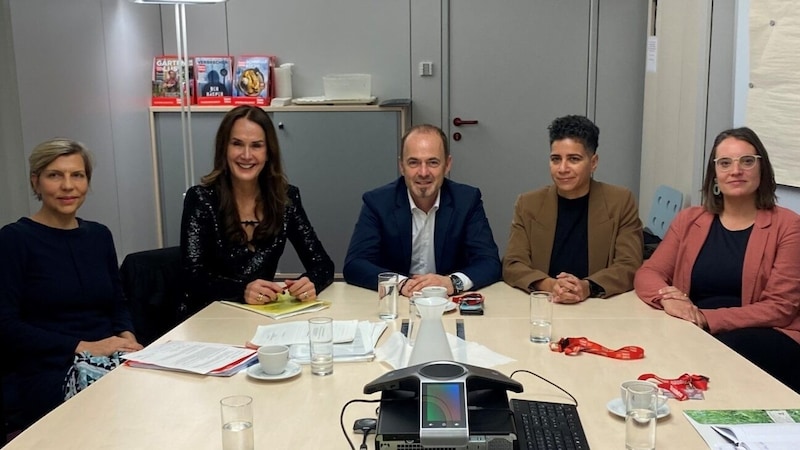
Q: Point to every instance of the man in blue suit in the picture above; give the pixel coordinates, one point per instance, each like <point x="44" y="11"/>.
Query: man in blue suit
<point x="423" y="226"/>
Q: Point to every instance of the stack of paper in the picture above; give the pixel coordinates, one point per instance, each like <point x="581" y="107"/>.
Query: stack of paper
<point x="352" y="340"/>
<point x="195" y="357"/>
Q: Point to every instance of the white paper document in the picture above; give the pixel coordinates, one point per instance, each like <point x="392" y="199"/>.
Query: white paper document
<point x="396" y="352"/>
<point x="362" y="348"/>
<point x="762" y="436"/>
<point x="195" y="357"/>
<point x="292" y="333"/>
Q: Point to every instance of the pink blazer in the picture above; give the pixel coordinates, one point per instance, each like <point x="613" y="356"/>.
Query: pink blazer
<point x="770" y="276"/>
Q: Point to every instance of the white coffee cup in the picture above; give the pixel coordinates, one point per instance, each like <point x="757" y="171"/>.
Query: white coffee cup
<point x="273" y="358"/>
<point x="434" y="291"/>
<point x="623" y="390"/>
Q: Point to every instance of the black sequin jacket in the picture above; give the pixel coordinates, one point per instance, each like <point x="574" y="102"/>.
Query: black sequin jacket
<point x="217" y="269"/>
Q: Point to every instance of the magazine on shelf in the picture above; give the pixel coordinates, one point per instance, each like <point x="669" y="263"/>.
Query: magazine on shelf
<point x="166" y="85"/>
<point x="214" y="75"/>
<point x="252" y="82"/>
<point x="763" y="429"/>
<point x="195" y="357"/>
<point x="286" y="306"/>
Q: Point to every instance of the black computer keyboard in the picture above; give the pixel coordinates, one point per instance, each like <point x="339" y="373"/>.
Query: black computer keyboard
<point x="548" y="426"/>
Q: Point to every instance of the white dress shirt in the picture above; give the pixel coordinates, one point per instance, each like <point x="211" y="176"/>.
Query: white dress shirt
<point x="423" y="256"/>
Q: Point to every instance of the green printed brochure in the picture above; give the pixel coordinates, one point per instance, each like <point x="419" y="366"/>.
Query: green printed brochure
<point x="763" y="429"/>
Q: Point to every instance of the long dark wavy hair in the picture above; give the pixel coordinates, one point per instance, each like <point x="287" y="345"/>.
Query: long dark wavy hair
<point x="765" y="194"/>
<point x="272" y="183"/>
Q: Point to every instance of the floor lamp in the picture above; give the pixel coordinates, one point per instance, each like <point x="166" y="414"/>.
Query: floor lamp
<point x="186" y="107"/>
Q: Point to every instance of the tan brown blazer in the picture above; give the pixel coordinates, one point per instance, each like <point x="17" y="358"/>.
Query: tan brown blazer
<point x="615" y="237"/>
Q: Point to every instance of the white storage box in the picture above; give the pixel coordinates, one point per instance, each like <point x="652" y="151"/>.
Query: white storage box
<point x="347" y="86"/>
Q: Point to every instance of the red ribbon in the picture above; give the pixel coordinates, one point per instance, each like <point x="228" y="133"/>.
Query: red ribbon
<point x="575" y="345"/>
<point x="678" y="386"/>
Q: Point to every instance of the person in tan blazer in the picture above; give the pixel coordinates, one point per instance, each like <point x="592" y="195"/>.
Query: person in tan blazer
<point x="577" y="238"/>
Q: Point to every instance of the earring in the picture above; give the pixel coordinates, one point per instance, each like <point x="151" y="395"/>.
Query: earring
<point x="715" y="188"/>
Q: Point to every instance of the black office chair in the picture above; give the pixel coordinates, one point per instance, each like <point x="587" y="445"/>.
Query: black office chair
<point x="3" y="426"/>
<point x="153" y="284"/>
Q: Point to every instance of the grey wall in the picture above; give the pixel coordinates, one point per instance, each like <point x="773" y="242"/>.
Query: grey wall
<point x="13" y="172"/>
<point x="620" y="90"/>
<point x="80" y="67"/>
<point x="102" y="51"/>
<point x="319" y="37"/>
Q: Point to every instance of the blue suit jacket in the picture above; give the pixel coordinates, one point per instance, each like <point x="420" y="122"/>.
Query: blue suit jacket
<point x="381" y="240"/>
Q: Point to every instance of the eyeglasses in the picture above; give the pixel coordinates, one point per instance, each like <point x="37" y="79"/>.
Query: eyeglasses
<point x="745" y="162"/>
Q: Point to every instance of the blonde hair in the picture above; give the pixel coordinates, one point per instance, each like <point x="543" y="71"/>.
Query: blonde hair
<point x="51" y="149"/>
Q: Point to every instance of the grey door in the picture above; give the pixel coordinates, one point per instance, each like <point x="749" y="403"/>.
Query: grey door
<point x="517" y="65"/>
<point x="527" y="65"/>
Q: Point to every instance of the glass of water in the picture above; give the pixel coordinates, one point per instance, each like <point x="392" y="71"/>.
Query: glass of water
<point x="387" y="295"/>
<point x="320" y="341"/>
<point x="413" y="317"/>
<point x="641" y="406"/>
<point x="237" y="422"/>
<point x="541" y="316"/>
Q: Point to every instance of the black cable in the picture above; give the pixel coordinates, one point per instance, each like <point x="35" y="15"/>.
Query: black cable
<point x="545" y="379"/>
<point x="341" y="418"/>
<point x="364" y="441"/>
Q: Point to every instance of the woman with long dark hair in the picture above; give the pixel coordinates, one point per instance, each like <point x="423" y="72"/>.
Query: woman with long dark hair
<point x="237" y="221"/>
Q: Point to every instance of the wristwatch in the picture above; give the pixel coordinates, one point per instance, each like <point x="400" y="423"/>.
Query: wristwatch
<point x="458" y="285"/>
<point x="595" y="290"/>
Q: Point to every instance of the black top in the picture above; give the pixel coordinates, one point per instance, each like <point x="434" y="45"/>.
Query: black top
<point x="571" y="243"/>
<point x="217" y="269"/>
<point x="57" y="288"/>
<point x="717" y="272"/>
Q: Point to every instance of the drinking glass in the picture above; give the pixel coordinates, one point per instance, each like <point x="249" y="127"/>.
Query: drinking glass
<point x="641" y="405"/>
<point x="541" y="316"/>
<point x="320" y="341"/>
<point x="237" y="422"/>
<point x="387" y="295"/>
<point x="413" y="317"/>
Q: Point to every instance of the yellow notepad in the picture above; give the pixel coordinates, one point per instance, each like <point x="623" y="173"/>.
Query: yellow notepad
<point x="285" y="307"/>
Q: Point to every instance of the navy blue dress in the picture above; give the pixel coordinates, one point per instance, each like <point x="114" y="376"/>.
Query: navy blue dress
<point x="57" y="288"/>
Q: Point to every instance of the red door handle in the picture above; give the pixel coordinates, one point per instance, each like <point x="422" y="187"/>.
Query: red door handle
<point x="458" y="122"/>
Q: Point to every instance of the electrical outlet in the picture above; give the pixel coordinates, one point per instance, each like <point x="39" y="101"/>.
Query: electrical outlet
<point x="426" y="69"/>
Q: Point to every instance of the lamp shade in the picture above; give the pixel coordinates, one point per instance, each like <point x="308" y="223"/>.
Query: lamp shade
<point x="178" y="2"/>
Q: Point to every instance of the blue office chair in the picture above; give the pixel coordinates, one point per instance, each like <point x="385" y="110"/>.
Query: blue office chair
<point x="667" y="202"/>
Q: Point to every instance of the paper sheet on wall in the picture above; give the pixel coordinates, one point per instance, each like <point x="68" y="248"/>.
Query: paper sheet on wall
<point x="773" y="97"/>
<point x="652" y="53"/>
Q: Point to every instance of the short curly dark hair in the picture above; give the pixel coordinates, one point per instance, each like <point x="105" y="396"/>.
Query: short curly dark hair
<point x="579" y="128"/>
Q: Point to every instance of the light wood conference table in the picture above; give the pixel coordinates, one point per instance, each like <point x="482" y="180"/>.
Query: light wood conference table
<point x="151" y="409"/>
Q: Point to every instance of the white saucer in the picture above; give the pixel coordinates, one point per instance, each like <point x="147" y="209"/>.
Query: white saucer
<point x="292" y="369"/>
<point x="616" y="407"/>
<point x="450" y="307"/>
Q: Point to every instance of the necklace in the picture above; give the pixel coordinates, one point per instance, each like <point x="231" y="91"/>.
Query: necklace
<point x="250" y="223"/>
